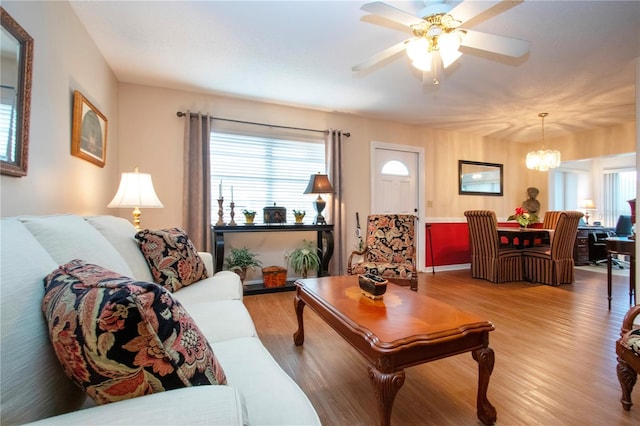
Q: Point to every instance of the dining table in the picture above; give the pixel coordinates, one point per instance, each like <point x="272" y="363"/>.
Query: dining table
<point x="524" y="237"/>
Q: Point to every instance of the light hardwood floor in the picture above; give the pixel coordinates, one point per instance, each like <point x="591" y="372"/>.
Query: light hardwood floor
<point x="555" y="360"/>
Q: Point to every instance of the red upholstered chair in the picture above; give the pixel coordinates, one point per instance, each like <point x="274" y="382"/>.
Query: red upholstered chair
<point x="628" y="353"/>
<point x="389" y="250"/>
<point x="488" y="260"/>
<point x="554" y="264"/>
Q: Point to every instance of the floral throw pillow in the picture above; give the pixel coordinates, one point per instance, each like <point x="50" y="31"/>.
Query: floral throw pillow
<point x="173" y="259"/>
<point x="119" y="339"/>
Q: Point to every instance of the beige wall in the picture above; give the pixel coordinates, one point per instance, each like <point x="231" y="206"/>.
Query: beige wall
<point x="151" y="138"/>
<point x="65" y="59"/>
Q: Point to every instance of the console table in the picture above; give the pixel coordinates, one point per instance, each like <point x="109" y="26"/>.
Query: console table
<point x="324" y="232"/>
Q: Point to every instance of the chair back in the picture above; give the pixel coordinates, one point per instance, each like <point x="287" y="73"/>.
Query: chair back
<point x="391" y="238"/>
<point x="564" y="235"/>
<point x="483" y="232"/>
<point x="623" y="227"/>
<point x="551" y="219"/>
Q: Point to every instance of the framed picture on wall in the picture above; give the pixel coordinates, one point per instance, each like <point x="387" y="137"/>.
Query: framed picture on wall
<point x="89" y="131"/>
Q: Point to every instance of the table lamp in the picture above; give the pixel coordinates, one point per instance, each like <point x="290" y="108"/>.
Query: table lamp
<point x="136" y="190"/>
<point x="319" y="184"/>
<point x="587" y="205"/>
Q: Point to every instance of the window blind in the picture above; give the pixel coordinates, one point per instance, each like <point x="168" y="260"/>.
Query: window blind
<point x="263" y="171"/>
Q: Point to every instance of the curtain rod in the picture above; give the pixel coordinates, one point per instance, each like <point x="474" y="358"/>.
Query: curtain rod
<point x="182" y="114"/>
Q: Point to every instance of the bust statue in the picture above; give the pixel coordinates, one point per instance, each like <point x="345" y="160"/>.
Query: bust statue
<point x="531" y="205"/>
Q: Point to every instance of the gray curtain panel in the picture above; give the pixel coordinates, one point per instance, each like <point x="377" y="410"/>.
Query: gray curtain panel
<point x="336" y="213"/>
<point x="196" y="199"/>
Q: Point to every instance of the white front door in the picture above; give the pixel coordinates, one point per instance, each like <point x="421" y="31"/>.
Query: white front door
<point x="396" y="182"/>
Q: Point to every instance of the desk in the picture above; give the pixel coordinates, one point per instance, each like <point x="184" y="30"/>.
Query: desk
<point x="325" y="232"/>
<point x="524" y="236"/>
<point x="620" y="245"/>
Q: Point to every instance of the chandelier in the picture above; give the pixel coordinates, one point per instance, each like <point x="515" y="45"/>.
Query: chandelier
<point x="435" y="38"/>
<point x="543" y="159"/>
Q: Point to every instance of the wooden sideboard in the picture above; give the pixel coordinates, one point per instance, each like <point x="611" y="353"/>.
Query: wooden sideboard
<point x="324" y="234"/>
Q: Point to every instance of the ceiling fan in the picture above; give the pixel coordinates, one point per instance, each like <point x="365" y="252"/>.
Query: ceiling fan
<point x="438" y="34"/>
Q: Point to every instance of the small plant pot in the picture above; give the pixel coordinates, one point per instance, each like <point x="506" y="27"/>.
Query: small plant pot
<point x="249" y="219"/>
<point x="299" y="219"/>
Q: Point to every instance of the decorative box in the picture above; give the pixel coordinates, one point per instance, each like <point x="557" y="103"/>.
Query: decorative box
<point x="275" y="214"/>
<point x="372" y="286"/>
<point x="274" y="276"/>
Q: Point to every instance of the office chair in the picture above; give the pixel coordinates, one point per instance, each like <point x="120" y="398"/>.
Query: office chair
<point x="623" y="229"/>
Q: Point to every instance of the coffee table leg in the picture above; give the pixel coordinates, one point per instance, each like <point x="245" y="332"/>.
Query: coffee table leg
<point x="298" y="336"/>
<point x="385" y="386"/>
<point x="485" y="358"/>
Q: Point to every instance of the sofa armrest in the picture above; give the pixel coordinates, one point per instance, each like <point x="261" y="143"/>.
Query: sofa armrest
<point x="207" y="258"/>
<point x="211" y="405"/>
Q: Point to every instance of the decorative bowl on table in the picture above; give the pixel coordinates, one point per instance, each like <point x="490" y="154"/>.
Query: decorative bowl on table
<point x="372" y="286"/>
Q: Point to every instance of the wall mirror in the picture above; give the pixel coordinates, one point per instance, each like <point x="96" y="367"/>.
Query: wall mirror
<point x="16" y="64"/>
<point x="478" y="178"/>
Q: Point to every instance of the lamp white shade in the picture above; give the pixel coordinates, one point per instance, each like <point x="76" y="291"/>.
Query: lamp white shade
<point x="136" y="190"/>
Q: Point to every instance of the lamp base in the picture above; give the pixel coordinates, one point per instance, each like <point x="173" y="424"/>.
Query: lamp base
<point x="319" y="205"/>
<point x="136" y="218"/>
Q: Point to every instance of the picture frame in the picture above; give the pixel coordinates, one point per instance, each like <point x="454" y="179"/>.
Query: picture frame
<point x="478" y="178"/>
<point x="89" y="131"/>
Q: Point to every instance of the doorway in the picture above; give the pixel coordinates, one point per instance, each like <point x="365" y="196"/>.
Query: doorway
<point x="397" y="182"/>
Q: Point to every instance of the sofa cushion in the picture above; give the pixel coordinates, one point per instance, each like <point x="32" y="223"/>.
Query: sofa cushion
<point x="271" y="396"/>
<point x="118" y="339"/>
<point x="32" y="384"/>
<point x="172" y="258"/>
<point x="121" y="234"/>
<point x="196" y="405"/>
<point x="68" y="237"/>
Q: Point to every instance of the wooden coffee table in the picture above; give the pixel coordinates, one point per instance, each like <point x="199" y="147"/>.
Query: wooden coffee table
<point x="400" y="330"/>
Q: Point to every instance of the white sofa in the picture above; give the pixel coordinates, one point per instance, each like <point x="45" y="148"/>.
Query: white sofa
<point x="33" y="386"/>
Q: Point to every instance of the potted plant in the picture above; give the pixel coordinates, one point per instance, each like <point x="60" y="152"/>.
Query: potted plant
<point x="240" y="260"/>
<point x="249" y="215"/>
<point x="299" y="215"/>
<point x="304" y="258"/>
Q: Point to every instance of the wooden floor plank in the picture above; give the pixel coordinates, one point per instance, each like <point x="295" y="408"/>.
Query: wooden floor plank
<point x="554" y="349"/>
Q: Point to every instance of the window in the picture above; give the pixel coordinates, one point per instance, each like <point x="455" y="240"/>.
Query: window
<point x="619" y="186"/>
<point x="263" y="171"/>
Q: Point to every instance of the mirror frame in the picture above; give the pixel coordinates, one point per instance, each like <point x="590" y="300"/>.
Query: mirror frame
<point x="463" y="167"/>
<point x="25" y="71"/>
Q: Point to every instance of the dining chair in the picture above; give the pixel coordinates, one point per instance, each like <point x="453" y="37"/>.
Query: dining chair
<point x="554" y="264"/>
<point x="550" y="221"/>
<point x="488" y="260"/>
<point x="389" y="250"/>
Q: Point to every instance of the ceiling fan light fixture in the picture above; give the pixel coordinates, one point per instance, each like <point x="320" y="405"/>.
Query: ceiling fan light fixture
<point x="423" y="64"/>
<point x="543" y="159"/>
<point x="448" y="44"/>
<point x="417" y="49"/>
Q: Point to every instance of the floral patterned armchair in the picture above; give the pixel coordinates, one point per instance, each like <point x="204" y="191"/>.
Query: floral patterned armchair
<point x="389" y="250"/>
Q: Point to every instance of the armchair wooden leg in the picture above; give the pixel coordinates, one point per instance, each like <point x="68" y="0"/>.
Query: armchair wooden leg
<point x="627" y="378"/>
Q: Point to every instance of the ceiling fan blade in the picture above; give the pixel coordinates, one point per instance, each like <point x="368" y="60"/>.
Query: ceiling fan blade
<point x="380" y="56"/>
<point x="394" y="14"/>
<point x="469" y="9"/>
<point x="493" y="43"/>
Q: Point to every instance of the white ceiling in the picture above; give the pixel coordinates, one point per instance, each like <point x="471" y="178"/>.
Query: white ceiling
<point x="580" y="67"/>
